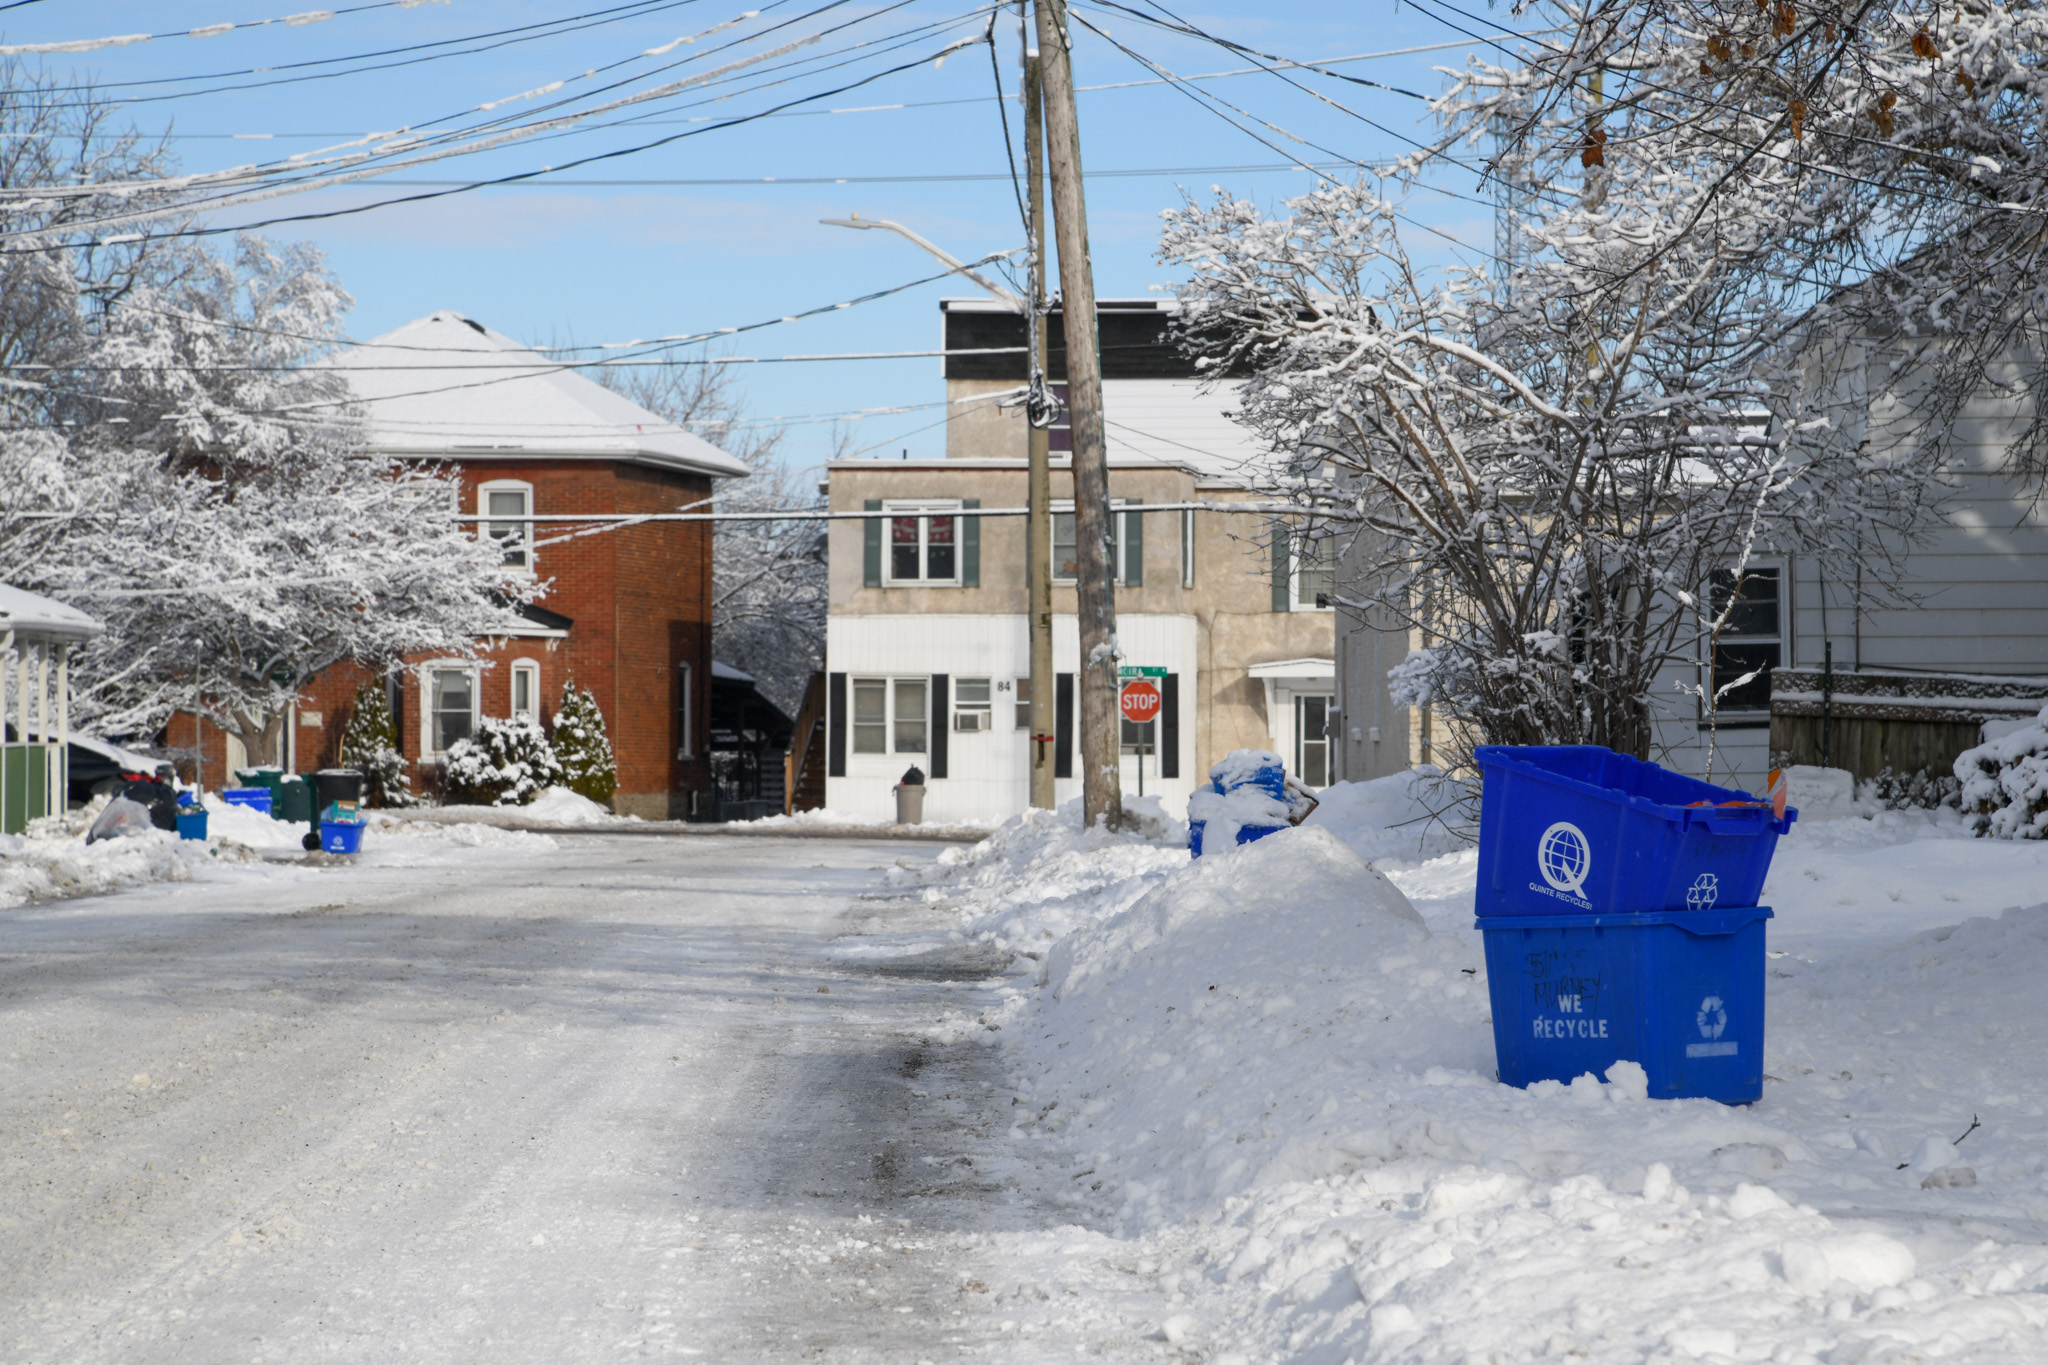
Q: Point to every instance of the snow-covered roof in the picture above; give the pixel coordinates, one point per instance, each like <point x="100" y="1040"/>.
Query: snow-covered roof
<point x="33" y="617"/>
<point x="725" y="670"/>
<point x="447" y="386"/>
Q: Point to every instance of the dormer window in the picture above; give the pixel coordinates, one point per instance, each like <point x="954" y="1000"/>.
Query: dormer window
<point x="508" y="509"/>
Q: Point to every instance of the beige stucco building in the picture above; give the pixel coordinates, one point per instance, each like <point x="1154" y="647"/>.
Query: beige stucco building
<point x="927" y="650"/>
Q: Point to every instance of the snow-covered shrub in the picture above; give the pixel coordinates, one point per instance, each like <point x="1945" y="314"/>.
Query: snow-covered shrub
<point x="1922" y="789"/>
<point x="2005" y="784"/>
<point x="584" y="748"/>
<point x="507" y="762"/>
<point x="370" y="746"/>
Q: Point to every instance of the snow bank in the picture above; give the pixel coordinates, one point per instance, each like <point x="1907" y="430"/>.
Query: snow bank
<point x="53" y="860"/>
<point x="1409" y="815"/>
<point x="560" y="806"/>
<point x="1274" y="1080"/>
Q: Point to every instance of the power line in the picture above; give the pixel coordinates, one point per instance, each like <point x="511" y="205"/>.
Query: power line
<point x="71" y="45"/>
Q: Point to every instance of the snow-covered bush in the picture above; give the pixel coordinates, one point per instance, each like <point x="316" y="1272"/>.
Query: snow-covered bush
<point x="507" y="762"/>
<point x="583" y="747"/>
<point x="2005" y="784"/>
<point x="370" y="746"/>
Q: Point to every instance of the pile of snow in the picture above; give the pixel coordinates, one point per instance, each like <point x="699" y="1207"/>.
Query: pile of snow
<point x="1274" y="1080"/>
<point x="561" y="806"/>
<point x="2005" y="783"/>
<point x="53" y="861"/>
<point x="1408" y="816"/>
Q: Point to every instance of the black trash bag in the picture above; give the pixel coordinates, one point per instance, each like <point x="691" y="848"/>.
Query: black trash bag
<point x="159" y="796"/>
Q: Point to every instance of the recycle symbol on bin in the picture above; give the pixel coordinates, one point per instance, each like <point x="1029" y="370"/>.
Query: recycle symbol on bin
<point x="1564" y="858"/>
<point x="1704" y="891"/>
<point x="1713" y="1017"/>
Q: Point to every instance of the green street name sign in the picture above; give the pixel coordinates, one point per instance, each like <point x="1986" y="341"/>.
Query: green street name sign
<point x="1131" y="671"/>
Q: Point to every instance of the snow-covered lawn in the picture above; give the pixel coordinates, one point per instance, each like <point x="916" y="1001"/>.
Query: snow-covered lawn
<point x="1271" y="1073"/>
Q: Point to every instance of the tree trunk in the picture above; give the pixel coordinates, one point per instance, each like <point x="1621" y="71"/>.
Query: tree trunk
<point x="1101" y="786"/>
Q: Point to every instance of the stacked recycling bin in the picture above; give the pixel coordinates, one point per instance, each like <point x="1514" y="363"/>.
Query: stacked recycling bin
<point x="1249" y="794"/>
<point x="1618" y="903"/>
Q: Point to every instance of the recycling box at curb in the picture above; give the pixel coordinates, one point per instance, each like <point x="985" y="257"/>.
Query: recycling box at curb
<point x="1575" y="828"/>
<point x="1681" y="992"/>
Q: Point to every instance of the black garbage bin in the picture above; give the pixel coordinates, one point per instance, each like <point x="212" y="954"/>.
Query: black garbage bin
<point x="329" y="786"/>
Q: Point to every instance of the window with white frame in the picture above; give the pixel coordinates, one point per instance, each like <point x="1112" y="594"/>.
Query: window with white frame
<point x="1752" y="640"/>
<point x="1066" y="558"/>
<point x="1023" y="689"/>
<point x="451" y="705"/>
<point x="507" y="506"/>
<point x="1314" y="576"/>
<point x="924" y="542"/>
<point x="973" y="704"/>
<point x="891" y="715"/>
<point x="526" y="689"/>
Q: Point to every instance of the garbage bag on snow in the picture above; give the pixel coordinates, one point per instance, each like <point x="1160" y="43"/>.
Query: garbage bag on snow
<point x="120" y="819"/>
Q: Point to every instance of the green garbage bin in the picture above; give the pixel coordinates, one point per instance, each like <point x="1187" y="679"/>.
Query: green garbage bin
<point x="294" y="801"/>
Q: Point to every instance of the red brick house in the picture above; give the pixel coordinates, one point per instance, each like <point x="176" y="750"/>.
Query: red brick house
<point x="627" y="611"/>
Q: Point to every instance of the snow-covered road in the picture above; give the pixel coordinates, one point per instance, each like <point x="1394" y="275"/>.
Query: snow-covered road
<point x="609" y="1098"/>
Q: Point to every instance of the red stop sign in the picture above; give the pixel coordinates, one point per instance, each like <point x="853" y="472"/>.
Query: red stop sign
<point x="1140" y="701"/>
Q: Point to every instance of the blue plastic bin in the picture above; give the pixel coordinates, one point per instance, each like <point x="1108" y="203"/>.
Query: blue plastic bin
<point x="1269" y="777"/>
<point x="341" y="836"/>
<point x="1681" y="992"/>
<point x="1579" y="829"/>
<point x="1245" y="834"/>
<point x="255" y="798"/>
<point x="191" y="823"/>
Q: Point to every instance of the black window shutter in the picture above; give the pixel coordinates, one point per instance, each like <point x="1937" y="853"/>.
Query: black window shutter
<point x="970" y="547"/>
<point x="1283" y="564"/>
<point x="1169" y="725"/>
<point x="942" y="718"/>
<point x="1134" y="545"/>
<point x="871" y="548"/>
<point x="1063" y="726"/>
<point x="835" y="726"/>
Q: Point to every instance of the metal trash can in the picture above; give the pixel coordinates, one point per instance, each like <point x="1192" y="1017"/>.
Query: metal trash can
<point x="910" y="798"/>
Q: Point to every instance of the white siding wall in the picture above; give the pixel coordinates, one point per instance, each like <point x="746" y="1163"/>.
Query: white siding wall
<point x="988" y="776"/>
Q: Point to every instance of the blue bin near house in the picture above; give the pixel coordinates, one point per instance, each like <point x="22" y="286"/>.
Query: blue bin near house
<point x="1245" y="834"/>
<point x="1681" y="992"/>
<point x="1567" y="829"/>
<point x="341" y="836"/>
<point x="191" y="823"/>
<point x="255" y="798"/>
<point x="1250" y="768"/>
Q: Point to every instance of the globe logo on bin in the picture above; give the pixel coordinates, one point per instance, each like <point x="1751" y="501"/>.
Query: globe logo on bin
<point x="1713" y="1017"/>
<point x="1704" y="891"/>
<point x="1564" y="858"/>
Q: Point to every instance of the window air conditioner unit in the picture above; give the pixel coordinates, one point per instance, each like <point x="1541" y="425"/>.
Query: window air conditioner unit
<point x="970" y="720"/>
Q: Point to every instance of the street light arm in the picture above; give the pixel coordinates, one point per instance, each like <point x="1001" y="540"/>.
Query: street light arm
<point x="952" y="262"/>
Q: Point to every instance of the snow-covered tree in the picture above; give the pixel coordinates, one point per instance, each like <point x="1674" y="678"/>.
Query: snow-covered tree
<point x="369" y="744"/>
<point x="507" y="762"/>
<point x="768" y="581"/>
<point x="583" y="746"/>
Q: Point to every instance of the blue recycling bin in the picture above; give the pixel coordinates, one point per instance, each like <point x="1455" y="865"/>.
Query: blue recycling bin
<point x="1578" y="829"/>
<point x="1245" y="834"/>
<point x="1681" y="992"/>
<point x="192" y="823"/>
<point x="255" y="798"/>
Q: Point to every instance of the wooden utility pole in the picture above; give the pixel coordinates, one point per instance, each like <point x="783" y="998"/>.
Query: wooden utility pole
<point x="1101" y="751"/>
<point x="1038" y="496"/>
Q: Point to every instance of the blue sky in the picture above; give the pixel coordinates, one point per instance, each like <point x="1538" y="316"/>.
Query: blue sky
<point x="560" y="258"/>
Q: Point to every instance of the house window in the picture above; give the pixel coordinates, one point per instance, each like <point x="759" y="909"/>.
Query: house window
<point x="451" y="707"/>
<point x="684" y="715"/>
<point x="1187" y="547"/>
<point x="1312" y="739"/>
<point x="1315" y="576"/>
<point x="526" y="689"/>
<point x="891" y="715"/>
<point x="923" y="548"/>
<point x="509" y="507"/>
<point x="1066" y="559"/>
<point x="1752" y="640"/>
<point x="1023" y="686"/>
<point x="973" y="704"/>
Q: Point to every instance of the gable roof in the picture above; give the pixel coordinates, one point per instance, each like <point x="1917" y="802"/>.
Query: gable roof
<point x="446" y="386"/>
